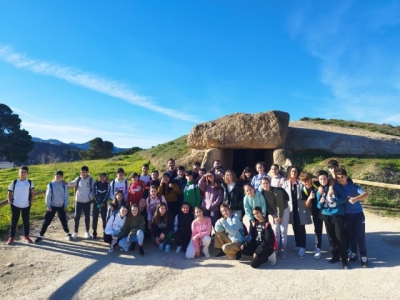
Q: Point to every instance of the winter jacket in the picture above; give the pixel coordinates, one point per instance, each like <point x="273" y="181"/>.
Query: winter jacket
<point x="212" y="196"/>
<point x="232" y="226"/>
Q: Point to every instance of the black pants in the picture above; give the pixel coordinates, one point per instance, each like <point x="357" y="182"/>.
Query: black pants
<point x="15" y="213"/>
<point x="79" y="208"/>
<point x="95" y="212"/>
<point x="318" y="224"/>
<point x="174" y="207"/>
<point x="299" y="230"/>
<point x="261" y="258"/>
<point x="355" y="228"/>
<point x="182" y="238"/>
<point x="50" y="216"/>
<point x="336" y="231"/>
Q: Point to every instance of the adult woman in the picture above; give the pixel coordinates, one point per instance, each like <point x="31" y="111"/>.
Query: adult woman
<point x="300" y="215"/>
<point x="276" y="177"/>
<point x="133" y="231"/>
<point x="262" y="240"/>
<point x="212" y="196"/>
<point x="162" y="227"/>
<point x="229" y="234"/>
<point x="233" y="194"/>
<point x="201" y="230"/>
<point x="278" y="208"/>
<point x="171" y="193"/>
<point x="252" y="199"/>
<point x="114" y="226"/>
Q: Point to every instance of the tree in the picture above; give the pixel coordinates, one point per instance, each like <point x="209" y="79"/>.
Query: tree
<point x="15" y="143"/>
<point x="98" y="149"/>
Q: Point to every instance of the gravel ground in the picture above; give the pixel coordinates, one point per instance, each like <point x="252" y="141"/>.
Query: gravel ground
<point x="83" y="269"/>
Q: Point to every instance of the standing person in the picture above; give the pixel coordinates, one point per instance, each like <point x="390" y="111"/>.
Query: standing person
<point x="133" y="231"/>
<point x="354" y="217"/>
<point x="308" y="193"/>
<point x="182" y="227"/>
<point x="162" y="227"/>
<point x="278" y="208"/>
<point x="229" y="234"/>
<point x="145" y="177"/>
<point x="181" y="181"/>
<point x="191" y="192"/>
<point x="171" y="193"/>
<point x="213" y="194"/>
<point x="56" y="200"/>
<point x="252" y="199"/>
<point x="136" y="190"/>
<point x="195" y="170"/>
<point x="120" y="183"/>
<point x="233" y="194"/>
<point x="276" y="177"/>
<point x="171" y="169"/>
<point x="101" y="194"/>
<point x="154" y="179"/>
<point x="217" y="165"/>
<point x="332" y="208"/>
<point x="256" y="181"/>
<point x="246" y="176"/>
<point x="152" y="202"/>
<point x="114" y="226"/>
<point x="262" y="241"/>
<point x="83" y="194"/>
<point x="201" y="230"/>
<point x="300" y="215"/>
<point x="20" y="197"/>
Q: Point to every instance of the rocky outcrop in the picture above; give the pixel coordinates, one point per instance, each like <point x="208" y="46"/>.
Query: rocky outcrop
<point x="241" y="131"/>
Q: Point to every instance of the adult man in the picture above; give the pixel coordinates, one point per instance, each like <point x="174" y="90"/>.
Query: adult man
<point x="171" y="169"/>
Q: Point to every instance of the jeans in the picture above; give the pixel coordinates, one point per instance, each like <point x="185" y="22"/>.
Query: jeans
<point x="79" y="208"/>
<point x="280" y="230"/>
<point x="355" y="228"/>
<point x="138" y="238"/>
<point x="15" y="213"/>
<point x="48" y="218"/>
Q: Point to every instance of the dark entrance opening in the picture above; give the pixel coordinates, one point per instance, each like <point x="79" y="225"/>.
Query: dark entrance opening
<point x="249" y="157"/>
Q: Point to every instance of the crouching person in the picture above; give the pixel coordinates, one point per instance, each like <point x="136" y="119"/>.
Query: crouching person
<point x="162" y="227"/>
<point x="133" y="231"/>
<point x="229" y="234"/>
<point x="261" y="244"/>
<point x="201" y="230"/>
<point x="114" y="226"/>
<point x="182" y="227"/>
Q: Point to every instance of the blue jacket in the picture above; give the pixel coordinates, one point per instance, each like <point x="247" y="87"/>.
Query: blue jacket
<point x="250" y="203"/>
<point x="232" y="226"/>
<point x="335" y="208"/>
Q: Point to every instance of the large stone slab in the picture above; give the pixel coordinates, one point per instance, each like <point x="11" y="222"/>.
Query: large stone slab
<point x="266" y="130"/>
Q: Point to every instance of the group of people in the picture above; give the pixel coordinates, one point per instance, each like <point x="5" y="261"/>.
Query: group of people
<point x="248" y="215"/>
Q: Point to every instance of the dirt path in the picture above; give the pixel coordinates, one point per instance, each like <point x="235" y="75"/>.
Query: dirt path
<point x="83" y="269"/>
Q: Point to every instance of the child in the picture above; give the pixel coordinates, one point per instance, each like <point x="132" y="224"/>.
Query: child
<point x="354" y="216"/>
<point x="233" y="194"/>
<point x="56" y="200"/>
<point x="116" y="204"/>
<point x="213" y="194"/>
<point x="247" y="176"/>
<point x="201" y="230"/>
<point x="101" y="193"/>
<point x="191" y="192"/>
<point x="145" y="177"/>
<point x="195" y="170"/>
<point x="278" y="208"/>
<point x="162" y="227"/>
<point x="262" y="240"/>
<point x="119" y="183"/>
<point x="171" y="193"/>
<point x="252" y="199"/>
<point x="133" y="231"/>
<point x="83" y="194"/>
<point x="20" y="197"/>
<point x="276" y="177"/>
<point x="229" y="234"/>
<point x="180" y="180"/>
<point x="114" y="226"/>
<point x="136" y="190"/>
<point x="256" y="181"/>
<point x="182" y="227"/>
<point x="152" y="202"/>
<point x="154" y="179"/>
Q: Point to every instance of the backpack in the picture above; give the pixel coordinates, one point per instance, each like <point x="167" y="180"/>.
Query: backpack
<point x="273" y="233"/>
<point x="77" y="184"/>
<point x="113" y="187"/>
<point x="285" y="194"/>
<point x="51" y="189"/>
<point x="30" y="187"/>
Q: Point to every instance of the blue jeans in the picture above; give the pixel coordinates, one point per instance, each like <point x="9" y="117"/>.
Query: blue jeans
<point x="138" y="238"/>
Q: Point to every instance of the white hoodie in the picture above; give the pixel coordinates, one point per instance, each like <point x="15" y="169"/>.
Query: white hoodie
<point x="114" y="224"/>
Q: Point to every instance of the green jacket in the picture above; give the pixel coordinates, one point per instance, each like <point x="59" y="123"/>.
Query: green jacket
<point x="131" y="226"/>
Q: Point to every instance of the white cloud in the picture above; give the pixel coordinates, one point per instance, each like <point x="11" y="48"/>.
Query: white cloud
<point x="29" y="115"/>
<point x="89" y="81"/>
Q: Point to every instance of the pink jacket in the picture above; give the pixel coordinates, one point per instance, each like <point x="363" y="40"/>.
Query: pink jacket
<point x="201" y="229"/>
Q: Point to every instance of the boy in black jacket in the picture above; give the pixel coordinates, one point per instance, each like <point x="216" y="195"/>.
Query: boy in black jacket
<point x="101" y="193"/>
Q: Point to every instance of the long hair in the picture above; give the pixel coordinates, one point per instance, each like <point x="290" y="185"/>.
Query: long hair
<point x="216" y="184"/>
<point x="114" y="202"/>
<point x="165" y="188"/>
<point x="157" y="215"/>
<point x="130" y="216"/>
<point x="289" y="175"/>
<point x="234" y="179"/>
<point x="243" y="176"/>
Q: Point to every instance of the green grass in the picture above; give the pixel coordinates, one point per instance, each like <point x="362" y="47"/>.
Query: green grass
<point x="41" y="175"/>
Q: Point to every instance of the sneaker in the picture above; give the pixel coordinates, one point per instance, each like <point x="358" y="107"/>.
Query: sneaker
<point x="113" y="243"/>
<point x="302" y="252"/>
<point x="27" y="239"/>
<point x="94" y="236"/>
<point x="161" y="246"/>
<point x="364" y="261"/>
<point x="317" y="254"/>
<point x="167" y="248"/>
<point x="206" y="252"/>
<point x="38" y="240"/>
<point x="283" y="254"/>
<point x="73" y="236"/>
<point x="272" y="259"/>
<point x="10" y="240"/>
<point x="111" y="249"/>
<point x="238" y="255"/>
<point x="87" y="235"/>
<point x="334" y="259"/>
<point x="141" y="251"/>
<point x="132" y="247"/>
<point x="353" y="256"/>
<point x="346" y="266"/>
<point x="178" y="249"/>
<point x="68" y="236"/>
<point x="220" y="254"/>
<point x="296" y="249"/>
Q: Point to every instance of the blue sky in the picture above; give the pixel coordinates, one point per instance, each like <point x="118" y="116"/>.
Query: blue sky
<point x="141" y="73"/>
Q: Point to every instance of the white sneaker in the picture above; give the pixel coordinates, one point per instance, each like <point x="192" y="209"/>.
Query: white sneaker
<point x="206" y="252"/>
<point x="296" y="249"/>
<point x="73" y="236"/>
<point x="68" y="236"/>
<point x="167" y="248"/>
<point x="317" y="254"/>
<point x="301" y="252"/>
<point x="87" y="235"/>
<point x="112" y="245"/>
<point x="161" y="246"/>
<point x="272" y="259"/>
<point x="178" y="249"/>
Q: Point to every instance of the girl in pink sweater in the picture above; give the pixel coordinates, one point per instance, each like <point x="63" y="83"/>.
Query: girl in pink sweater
<point x="201" y="230"/>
